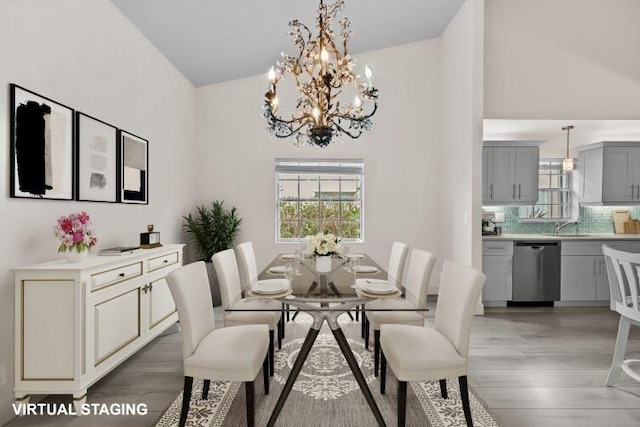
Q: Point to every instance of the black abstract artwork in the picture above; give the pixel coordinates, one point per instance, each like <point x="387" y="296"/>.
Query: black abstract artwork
<point x="134" y="169"/>
<point x="41" y="147"/>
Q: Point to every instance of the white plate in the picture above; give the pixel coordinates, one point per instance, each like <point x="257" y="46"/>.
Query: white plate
<point x="271" y="286"/>
<point x="377" y="286"/>
<point x="355" y="256"/>
<point x="278" y="269"/>
<point x="365" y="269"/>
<point x="288" y="256"/>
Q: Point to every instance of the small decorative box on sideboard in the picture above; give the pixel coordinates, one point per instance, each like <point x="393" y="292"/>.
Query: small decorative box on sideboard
<point x="75" y="322"/>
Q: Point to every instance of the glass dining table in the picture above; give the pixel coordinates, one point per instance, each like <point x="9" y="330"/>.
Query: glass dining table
<point x="325" y="296"/>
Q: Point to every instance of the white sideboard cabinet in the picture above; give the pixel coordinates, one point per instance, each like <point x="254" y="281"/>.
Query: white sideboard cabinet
<point x="75" y="322"/>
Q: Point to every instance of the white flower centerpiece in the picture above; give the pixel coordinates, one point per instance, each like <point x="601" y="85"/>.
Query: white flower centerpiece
<point x="323" y="247"/>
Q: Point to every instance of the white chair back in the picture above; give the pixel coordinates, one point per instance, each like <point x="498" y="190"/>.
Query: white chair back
<point x="614" y="290"/>
<point x="246" y="263"/>
<point x="189" y="286"/>
<point x="228" y="277"/>
<point x="627" y="270"/>
<point x="460" y="288"/>
<point x="396" y="261"/>
<point x="420" y="267"/>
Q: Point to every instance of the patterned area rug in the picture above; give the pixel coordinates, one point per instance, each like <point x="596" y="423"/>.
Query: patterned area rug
<point x="326" y="393"/>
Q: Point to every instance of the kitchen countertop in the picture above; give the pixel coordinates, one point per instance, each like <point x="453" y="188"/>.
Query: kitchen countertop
<point x="563" y="237"/>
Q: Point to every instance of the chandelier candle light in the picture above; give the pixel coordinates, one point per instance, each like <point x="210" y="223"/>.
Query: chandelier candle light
<point x="321" y="73"/>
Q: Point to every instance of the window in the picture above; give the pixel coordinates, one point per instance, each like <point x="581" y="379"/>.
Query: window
<point x="319" y="195"/>
<point x="554" y="193"/>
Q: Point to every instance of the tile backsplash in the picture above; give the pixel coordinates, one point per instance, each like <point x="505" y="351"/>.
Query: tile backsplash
<point x="593" y="219"/>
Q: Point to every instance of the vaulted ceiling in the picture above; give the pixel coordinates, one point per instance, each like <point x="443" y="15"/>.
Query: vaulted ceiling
<point x="212" y="41"/>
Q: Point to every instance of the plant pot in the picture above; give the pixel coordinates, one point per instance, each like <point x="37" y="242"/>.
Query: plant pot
<point x="73" y="256"/>
<point x="214" y="285"/>
<point x="323" y="264"/>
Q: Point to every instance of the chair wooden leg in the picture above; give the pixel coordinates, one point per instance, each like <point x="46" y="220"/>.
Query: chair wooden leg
<point x="288" y="312"/>
<point x="464" y="396"/>
<point x="443" y="389"/>
<point x="186" y="397"/>
<point x="363" y="324"/>
<point x="357" y="313"/>
<point x="376" y="351"/>
<point x="621" y="348"/>
<point x="383" y="372"/>
<point x="280" y="329"/>
<point x="272" y="358"/>
<point x="265" y="374"/>
<point x="205" y="389"/>
<point x="250" y="404"/>
<point x="402" y="403"/>
<point x="366" y="334"/>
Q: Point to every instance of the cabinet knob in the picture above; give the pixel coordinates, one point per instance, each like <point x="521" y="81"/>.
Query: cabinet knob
<point x="145" y="288"/>
<point x="121" y="275"/>
<point x="150" y="287"/>
<point x="166" y="261"/>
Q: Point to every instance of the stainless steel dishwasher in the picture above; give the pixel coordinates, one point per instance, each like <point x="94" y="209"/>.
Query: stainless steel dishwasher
<point x="536" y="272"/>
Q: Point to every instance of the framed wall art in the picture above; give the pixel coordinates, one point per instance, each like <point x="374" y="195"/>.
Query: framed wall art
<point x="42" y="149"/>
<point x="134" y="169"/>
<point x="96" y="160"/>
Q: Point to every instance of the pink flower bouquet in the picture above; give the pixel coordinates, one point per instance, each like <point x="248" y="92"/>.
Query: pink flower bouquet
<point x="75" y="233"/>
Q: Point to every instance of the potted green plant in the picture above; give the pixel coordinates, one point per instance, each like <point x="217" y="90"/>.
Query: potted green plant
<point x="213" y="229"/>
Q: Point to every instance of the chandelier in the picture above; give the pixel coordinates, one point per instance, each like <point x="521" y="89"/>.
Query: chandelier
<point x="323" y="74"/>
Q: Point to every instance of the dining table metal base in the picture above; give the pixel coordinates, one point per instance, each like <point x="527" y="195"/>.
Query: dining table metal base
<point x="331" y="317"/>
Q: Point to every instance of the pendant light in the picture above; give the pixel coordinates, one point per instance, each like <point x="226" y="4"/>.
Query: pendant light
<point x="568" y="164"/>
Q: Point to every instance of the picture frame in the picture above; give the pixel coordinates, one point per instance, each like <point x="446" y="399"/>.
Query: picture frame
<point x="97" y="178"/>
<point x="42" y="147"/>
<point x="134" y="168"/>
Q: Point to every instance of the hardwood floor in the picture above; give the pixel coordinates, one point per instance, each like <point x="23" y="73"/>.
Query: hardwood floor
<point x="547" y="367"/>
<point x="532" y="366"/>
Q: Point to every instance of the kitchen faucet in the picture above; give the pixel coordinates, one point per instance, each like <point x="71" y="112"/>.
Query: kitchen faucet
<point x="557" y="227"/>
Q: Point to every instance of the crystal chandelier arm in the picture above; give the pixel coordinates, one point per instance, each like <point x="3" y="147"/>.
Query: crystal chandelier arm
<point x="368" y="116"/>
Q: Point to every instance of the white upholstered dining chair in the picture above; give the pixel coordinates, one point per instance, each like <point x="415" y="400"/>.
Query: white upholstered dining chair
<point x="418" y="353"/>
<point x="623" y="271"/>
<point x="227" y="354"/>
<point x="420" y="267"/>
<point x="395" y="271"/>
<point x="249" y="272"/>
<point x="266" y="312"/>
<point x="397" y="258"/>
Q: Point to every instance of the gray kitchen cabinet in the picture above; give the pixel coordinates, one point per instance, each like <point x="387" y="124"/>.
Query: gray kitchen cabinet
<point x="497" y="258"/>
<point x="583" y="270"/>
<point x="509" y="173"/>
<point x="578" y="278"/>
<point x="609" y="173"/>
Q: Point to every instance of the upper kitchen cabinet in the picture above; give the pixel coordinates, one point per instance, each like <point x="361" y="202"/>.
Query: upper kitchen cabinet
<point x="609" y="173"/>
<point x="510" y="173"/>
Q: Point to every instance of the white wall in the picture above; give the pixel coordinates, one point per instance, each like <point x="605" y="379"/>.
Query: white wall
<point x="461" y="116"/>
<point x="402" y="184"/>
<point x="569" y="59"/>
<point x="87" y="55"/>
